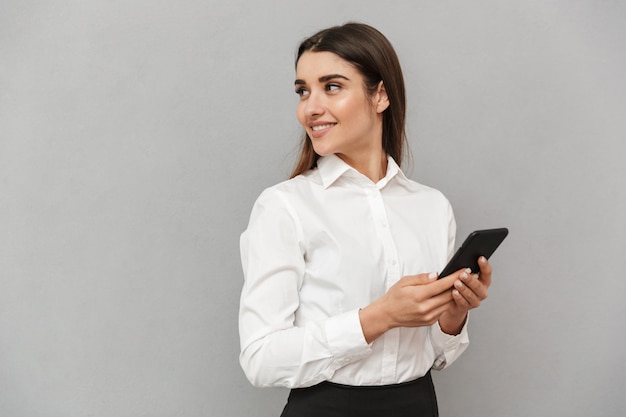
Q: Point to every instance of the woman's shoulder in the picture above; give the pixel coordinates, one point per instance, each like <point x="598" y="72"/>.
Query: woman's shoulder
<point x="417" y="187"/>
<point x="293" y="189"/>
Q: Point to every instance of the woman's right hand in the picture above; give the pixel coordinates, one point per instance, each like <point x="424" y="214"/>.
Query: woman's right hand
<point x="413" y="301"/>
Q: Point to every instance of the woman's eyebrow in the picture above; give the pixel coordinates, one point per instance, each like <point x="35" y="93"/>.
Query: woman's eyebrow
<point x="324" y="78"/>
<point x="332" y="77"/>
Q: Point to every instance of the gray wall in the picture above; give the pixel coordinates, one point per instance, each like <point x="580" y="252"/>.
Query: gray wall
<point x="135" y="136"/>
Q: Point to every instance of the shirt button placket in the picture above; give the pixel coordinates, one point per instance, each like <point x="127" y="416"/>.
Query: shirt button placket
<point x="390" y="338"/>
<point x="389" y="246"/>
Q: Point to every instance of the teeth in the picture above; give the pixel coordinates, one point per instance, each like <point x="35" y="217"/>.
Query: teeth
<point x="316" y="128"/>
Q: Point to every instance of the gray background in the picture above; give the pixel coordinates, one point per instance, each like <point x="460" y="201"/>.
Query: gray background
<point x="135" y="136"/>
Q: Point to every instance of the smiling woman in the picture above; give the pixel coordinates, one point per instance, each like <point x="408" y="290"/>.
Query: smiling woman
<point x="366" y="50"/>
<point x="337" y="113"/>
<point x="340" y="301"/>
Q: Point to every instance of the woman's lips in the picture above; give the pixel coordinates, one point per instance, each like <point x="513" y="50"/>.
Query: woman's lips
<point x="319" y="130"/>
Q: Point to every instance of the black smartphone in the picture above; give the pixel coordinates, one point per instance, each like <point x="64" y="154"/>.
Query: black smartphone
<point x="478" y="243"/>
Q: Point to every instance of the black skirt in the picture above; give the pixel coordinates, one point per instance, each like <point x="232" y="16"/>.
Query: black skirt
<point x="409" y="399"/>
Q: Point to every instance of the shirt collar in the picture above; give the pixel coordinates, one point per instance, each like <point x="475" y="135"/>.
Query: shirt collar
<point x="331" y="168"/>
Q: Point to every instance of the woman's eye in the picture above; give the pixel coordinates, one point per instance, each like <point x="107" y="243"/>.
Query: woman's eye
<point x="301" y="92"/>
<point x="332" y="87"/>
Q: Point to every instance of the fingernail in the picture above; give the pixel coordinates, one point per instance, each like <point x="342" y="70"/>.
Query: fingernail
<point x="468" y="270"/>
<point x="458" y="284"/>
<point x="482" y="259"/>
<point x="456" y="293"/>
<point x="432" y="275"/>
<point x="463" y="275"/>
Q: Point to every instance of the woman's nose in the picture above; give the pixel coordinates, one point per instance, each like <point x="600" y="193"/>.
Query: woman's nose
<point x="314" y="105"/>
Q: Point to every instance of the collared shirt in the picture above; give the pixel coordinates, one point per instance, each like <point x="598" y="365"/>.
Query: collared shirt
<point x="323" y="245"/>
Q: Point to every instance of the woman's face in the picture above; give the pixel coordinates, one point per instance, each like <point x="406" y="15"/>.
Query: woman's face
<point x="335" y="109"/>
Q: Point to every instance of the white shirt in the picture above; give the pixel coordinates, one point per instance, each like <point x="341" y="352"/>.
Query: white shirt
<point x="317" y="249"/>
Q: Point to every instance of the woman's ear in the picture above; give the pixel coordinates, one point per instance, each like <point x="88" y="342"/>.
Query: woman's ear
<point x="382" y="100"/>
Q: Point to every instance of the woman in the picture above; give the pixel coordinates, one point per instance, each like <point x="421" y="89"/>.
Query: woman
<point x="341" y="301"/>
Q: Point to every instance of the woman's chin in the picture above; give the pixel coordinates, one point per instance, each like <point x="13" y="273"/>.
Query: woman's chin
<point x="323" y="150"/>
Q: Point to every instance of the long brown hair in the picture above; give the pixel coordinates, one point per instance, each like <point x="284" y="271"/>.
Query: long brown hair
<point x="373" y="56"/>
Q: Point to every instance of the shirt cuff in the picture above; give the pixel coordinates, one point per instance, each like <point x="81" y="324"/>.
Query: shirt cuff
<point x="345" y="338"/>
<point x="447" y="347"/>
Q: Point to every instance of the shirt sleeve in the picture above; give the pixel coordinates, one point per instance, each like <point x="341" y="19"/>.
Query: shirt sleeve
<point x="447" y="347"/>
<point x="274" y="351"/>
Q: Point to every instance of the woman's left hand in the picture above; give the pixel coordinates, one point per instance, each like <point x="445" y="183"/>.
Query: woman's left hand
<point x="468" y="292"/>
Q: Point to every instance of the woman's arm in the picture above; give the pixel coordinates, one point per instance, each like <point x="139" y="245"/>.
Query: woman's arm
<point x="274" y="351"/>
